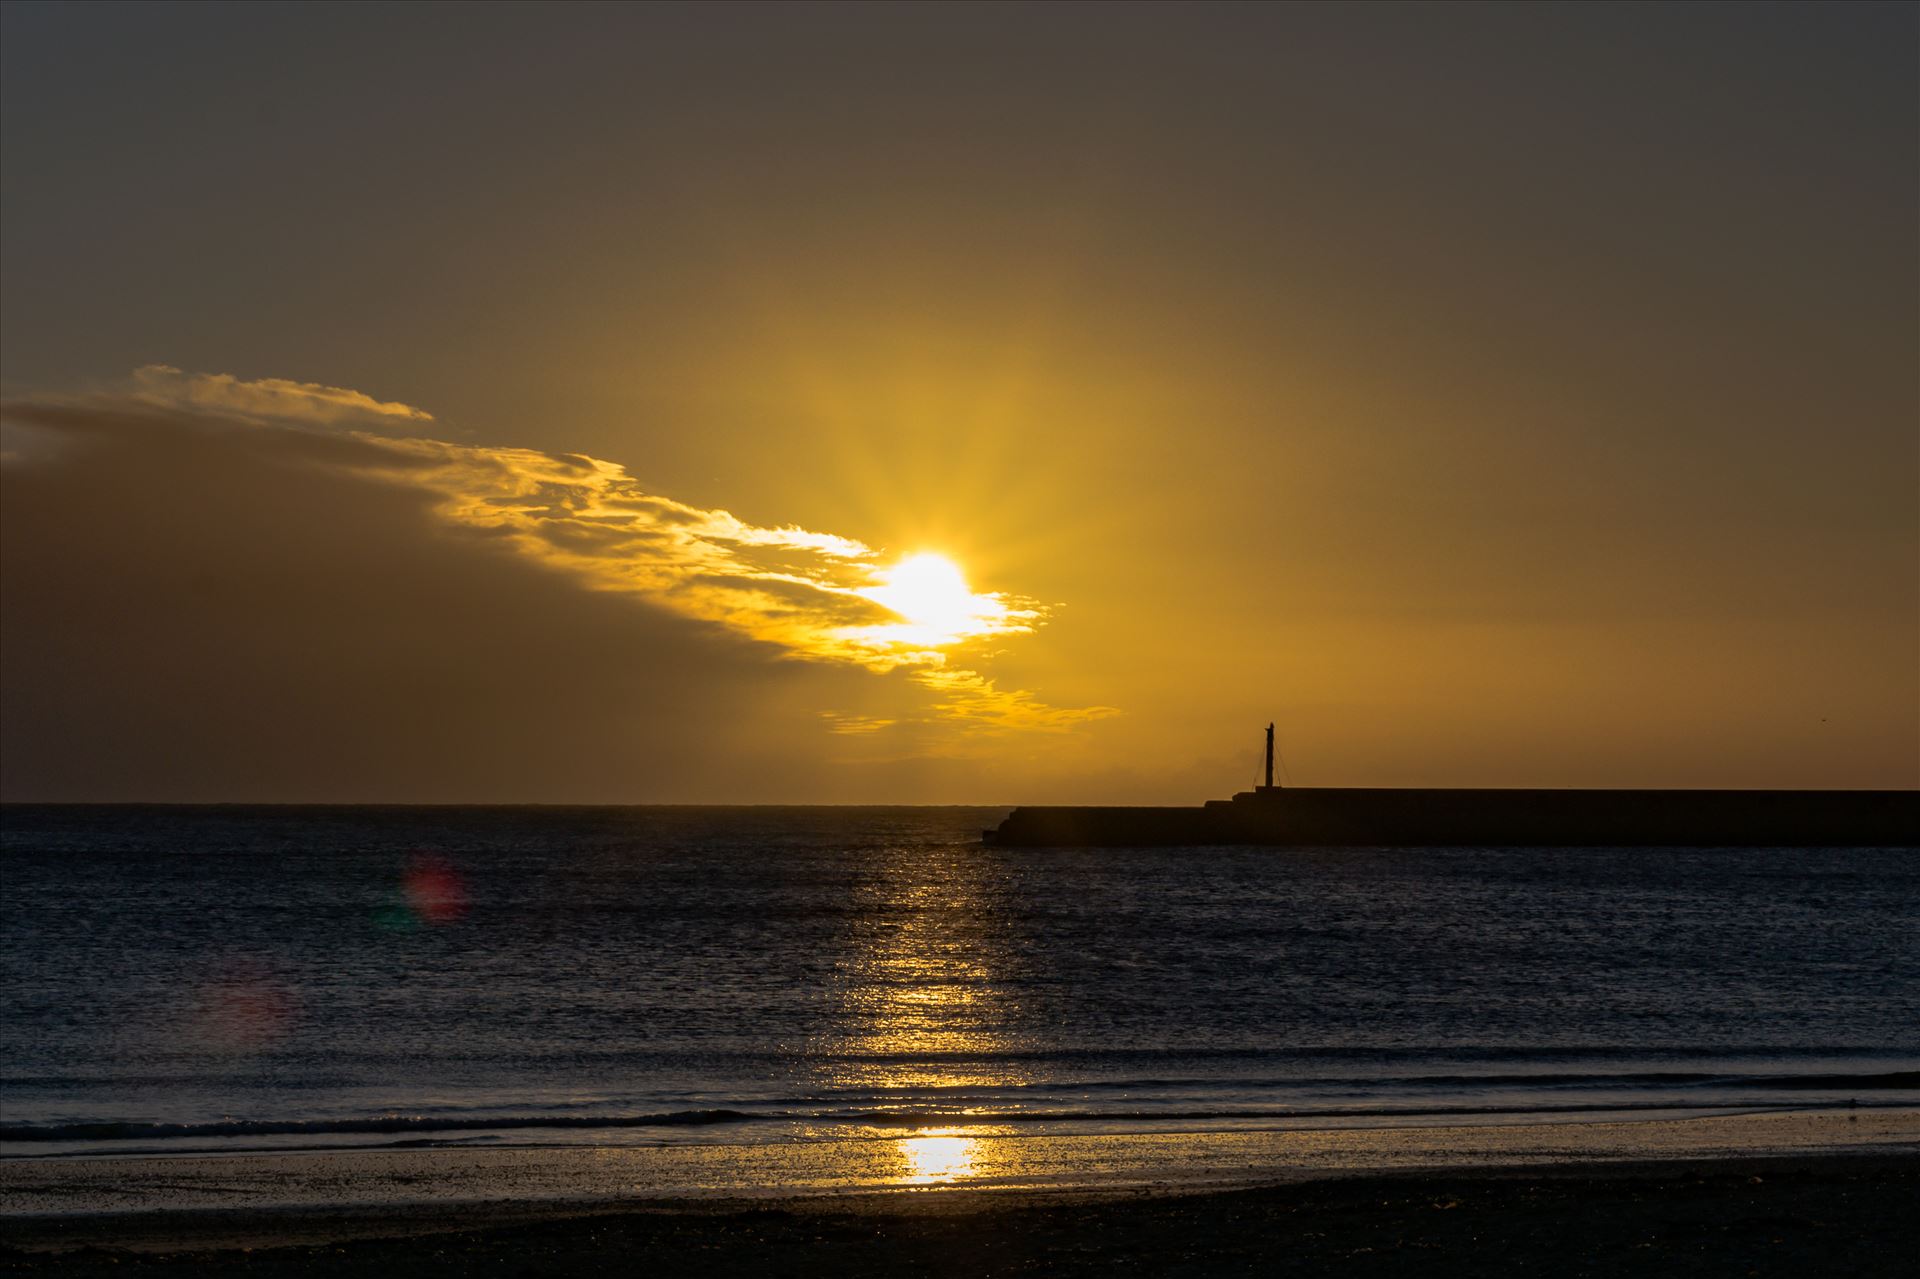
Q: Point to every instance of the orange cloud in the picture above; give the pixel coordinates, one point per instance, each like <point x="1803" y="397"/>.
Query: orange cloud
<point x="276" y="398"/>
<point x="816" y="596"/>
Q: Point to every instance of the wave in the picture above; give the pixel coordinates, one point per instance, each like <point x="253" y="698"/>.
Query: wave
<point x="125" y="1130"/>
<point x="348" y="1065"/>
<point x="1529" y="1079"/>
<point x="920" y="1116"/>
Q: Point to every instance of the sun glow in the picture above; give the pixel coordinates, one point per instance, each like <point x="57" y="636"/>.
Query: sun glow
<point x="936" y="1156"/>
<point x="931" y="596"/>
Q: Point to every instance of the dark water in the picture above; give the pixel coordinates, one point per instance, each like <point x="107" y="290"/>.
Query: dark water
<point x="202" y="978"/>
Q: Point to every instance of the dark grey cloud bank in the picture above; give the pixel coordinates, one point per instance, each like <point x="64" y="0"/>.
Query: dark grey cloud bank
<point x="197" y="609"/>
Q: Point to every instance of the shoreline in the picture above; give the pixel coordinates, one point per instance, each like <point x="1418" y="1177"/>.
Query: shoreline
<point x="1735" y="1216"/>
<point x="167" y="1204"/>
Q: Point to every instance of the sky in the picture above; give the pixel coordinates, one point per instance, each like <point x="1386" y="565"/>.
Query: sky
<point x="955" y="404"/>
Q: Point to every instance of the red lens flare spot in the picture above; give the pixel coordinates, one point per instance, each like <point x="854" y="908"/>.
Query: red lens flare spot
<point x="435" y="892"/>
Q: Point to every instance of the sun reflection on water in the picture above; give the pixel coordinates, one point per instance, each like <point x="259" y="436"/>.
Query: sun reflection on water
<point x="925" y="1018"/>
<point x="923" y="1005"/>
<point x="936" y="1156"/>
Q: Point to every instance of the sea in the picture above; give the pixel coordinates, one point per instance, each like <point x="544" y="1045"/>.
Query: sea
<point x="204" y="979"/>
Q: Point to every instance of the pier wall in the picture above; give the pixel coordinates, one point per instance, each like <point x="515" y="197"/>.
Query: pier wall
<point x="1380" y="816"/>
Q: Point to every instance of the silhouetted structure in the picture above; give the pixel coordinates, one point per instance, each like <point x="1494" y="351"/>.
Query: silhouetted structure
<point x="1328" y="816"/>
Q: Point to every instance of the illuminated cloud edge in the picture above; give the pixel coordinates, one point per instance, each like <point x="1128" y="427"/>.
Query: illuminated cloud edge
<point x="815" y="596"/>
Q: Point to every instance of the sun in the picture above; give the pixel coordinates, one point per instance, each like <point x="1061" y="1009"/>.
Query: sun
<point x="930" y="594"/>
<point x="933" y="610"/>
<point x="927" y="590"/>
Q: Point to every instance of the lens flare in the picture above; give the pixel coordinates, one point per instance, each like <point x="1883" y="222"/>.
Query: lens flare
<point x="434" y="890"/>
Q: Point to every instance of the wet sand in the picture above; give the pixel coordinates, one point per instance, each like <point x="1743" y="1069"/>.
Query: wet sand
<point x="1831" y="1216"/>
<point x="1779" y="1193"/>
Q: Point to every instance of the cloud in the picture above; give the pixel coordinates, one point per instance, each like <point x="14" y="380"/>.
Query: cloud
<point x="854" y="724"/>
<point x="811" y="593"/>
<point x="253" y="552"/>
<point x="817" y="596"/>
<point x="274" y="398"/>
<point x="201" y="613"/>
<point x="974" y="699"/>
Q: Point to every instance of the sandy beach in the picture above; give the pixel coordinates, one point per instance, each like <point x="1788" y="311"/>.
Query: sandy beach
<point x="1733" y="1193"/>
<point x="1820" y="1216"/>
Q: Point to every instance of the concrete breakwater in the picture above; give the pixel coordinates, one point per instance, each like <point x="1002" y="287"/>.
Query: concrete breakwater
<point x="1308" y="816"/>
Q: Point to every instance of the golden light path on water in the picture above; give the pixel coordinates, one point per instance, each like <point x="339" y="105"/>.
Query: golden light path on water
<point x="924" y="1009"/>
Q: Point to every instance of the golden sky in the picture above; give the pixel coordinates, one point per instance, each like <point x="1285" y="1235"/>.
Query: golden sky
<point x="939" y="404"/>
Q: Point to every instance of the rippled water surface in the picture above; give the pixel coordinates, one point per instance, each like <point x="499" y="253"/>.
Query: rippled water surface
<point x="202" y="978"/>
